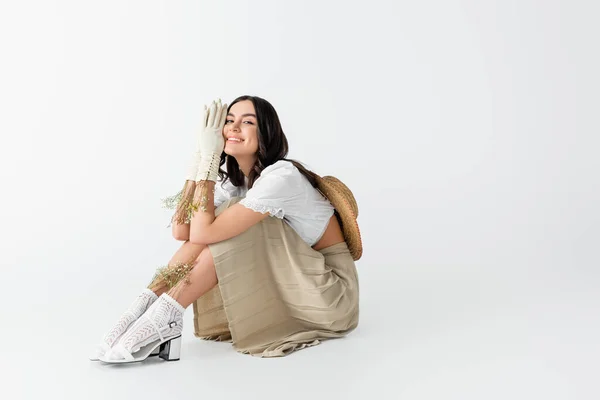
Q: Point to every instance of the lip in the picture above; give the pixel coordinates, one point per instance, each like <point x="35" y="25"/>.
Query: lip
<point x="234" y="141"/>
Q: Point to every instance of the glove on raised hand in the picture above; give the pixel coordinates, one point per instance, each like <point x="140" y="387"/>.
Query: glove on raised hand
<point x="211" y="141"/>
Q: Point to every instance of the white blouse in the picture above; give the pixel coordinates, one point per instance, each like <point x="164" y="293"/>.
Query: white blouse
<point x="283" y="192"/>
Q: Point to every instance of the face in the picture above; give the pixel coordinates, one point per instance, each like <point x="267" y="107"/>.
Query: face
<point x="241" y="130"/>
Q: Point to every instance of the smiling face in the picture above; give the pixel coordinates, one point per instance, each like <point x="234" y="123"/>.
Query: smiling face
<point x="241" y="130"/>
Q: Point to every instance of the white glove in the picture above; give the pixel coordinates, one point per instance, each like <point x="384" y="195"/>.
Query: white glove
<point x="211" y="142"/>
<point x="194" y="162"/>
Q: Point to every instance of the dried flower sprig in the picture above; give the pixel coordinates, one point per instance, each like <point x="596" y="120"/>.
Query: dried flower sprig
<point x="169" y="276"/>
<point x="200" y="199"/>
<point x="170" y="202"/>
<point x="182" y="203"/>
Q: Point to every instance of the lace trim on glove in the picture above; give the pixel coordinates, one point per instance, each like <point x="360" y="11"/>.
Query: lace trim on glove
<point x="261" y="208"/>
<point x="208" y="170"/>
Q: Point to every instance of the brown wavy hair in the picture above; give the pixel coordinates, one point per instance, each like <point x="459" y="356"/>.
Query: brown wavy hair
<point x="272" y="146"/>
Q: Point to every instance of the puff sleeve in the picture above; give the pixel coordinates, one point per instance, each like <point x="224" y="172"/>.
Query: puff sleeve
<point x="225" y="191"/>
<point x="221" y="195"/>
<point x="279" y="190"/>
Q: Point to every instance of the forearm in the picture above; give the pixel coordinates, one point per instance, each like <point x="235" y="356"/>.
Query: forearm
<point x="181" y="231"/>
<point x="181" y="220"/>
<point x="210" y="148"/>
<point x="203" y="215"/>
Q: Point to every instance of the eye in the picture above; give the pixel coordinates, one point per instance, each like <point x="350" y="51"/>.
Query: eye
<point x="250" y="122"/>
<point x="228" y="120"/>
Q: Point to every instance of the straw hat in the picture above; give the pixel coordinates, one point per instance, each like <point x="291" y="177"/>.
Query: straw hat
<point x="346" y="208"/>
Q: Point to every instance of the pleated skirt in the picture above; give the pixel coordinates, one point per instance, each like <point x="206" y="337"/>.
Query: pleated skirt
<point x="275" y="293"/>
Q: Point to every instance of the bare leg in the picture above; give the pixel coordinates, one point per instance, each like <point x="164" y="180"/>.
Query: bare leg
<point x="200" y="280"/>
<point x="184" y="286"/>
<point x="187" y="254"/>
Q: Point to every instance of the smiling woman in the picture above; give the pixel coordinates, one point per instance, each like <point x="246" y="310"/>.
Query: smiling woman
<point x="241" y="134"/>
<point x="268" y="259"/>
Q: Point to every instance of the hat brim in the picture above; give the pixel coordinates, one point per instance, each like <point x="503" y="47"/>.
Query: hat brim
<point x="344" y="213"/>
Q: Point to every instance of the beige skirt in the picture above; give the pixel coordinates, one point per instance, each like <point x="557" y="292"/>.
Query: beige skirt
<point x="275" y="293"/>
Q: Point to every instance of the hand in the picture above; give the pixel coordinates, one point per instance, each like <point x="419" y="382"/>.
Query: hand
<point x="211" y="142"/>
<point x="211" y="138"/>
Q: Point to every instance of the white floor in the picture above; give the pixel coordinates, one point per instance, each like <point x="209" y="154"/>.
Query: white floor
<point x="427" y="333"/>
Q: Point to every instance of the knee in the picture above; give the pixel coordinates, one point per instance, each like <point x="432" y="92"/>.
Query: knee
<point x="205" y="256"/>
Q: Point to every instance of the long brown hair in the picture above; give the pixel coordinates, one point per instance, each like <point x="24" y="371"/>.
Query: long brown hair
<point x="272" y="146"/>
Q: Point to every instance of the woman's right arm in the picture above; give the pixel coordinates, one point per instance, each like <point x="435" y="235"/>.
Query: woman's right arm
<point x="180" y="226"/>
<point x="181" y="231"/>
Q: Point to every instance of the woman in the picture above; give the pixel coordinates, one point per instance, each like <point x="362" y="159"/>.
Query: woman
<point x="267" y="259"/>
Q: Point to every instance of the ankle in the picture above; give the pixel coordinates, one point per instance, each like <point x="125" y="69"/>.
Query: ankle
<point x="158" y="290"/>
<point x="173" y="300"/>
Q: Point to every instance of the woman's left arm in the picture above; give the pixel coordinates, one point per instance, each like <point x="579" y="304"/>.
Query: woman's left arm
<point x="205" y="228"/>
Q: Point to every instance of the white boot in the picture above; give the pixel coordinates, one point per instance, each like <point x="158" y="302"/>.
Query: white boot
<point x="158" y="329"/>
<point x="135" y="310"/>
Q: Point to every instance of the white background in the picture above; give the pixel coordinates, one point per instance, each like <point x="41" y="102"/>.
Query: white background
<point x="468" y="131"/>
